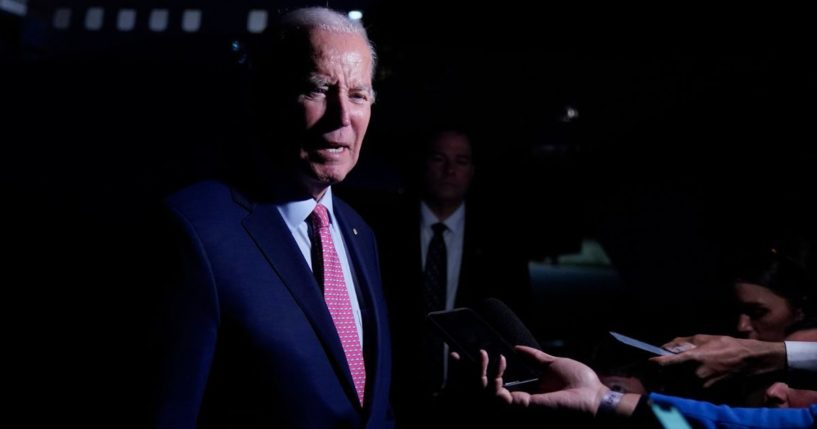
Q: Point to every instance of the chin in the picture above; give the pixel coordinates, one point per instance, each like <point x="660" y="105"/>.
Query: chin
<point x="328" y="178"/>
<point x="328" y="174"/>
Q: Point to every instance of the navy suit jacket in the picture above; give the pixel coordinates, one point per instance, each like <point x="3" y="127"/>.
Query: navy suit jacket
<point x="251" y="342"/>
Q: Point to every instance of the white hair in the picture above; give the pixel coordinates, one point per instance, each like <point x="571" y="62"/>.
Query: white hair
<point x="310" y="18"/>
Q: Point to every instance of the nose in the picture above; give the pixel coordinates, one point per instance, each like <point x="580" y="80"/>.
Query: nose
<point x="745" y="325"/>
<point x="777" y="395"/>
<point x="338" y="110"/>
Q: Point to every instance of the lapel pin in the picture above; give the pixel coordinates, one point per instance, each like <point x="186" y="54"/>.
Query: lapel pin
<point x="354" y="231"/>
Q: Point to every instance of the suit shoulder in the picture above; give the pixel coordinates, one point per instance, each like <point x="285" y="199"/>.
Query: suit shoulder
<point x="196" y="193"/>
<point x="203" y="198"/>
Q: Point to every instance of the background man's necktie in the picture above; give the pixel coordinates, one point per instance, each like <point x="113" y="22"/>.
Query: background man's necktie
<point x="435" y="279"/>
<point x="436" y="270"/>
<point x="330" y="274"/>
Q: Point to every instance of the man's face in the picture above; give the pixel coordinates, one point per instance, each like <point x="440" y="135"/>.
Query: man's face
<point x="449" y="168"/>
<point x="335" y="106"/>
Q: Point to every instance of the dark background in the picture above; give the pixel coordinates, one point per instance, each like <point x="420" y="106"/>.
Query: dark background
<point x="694" y="138"/>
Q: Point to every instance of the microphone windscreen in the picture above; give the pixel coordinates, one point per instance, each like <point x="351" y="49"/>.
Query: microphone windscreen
<point x="506" y="322"/>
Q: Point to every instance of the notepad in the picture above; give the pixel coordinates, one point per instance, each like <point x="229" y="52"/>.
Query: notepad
<point x="640" y="344"/>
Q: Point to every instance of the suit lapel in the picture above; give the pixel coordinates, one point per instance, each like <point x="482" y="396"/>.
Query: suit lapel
<point x="412" y="236"/>
<point x="271" y="234"/>
<point x="366" y="278"/>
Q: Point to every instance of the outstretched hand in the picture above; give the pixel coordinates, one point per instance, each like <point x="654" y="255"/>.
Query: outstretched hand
<point x="716" y="358"/>
<point x="565" y="384"/>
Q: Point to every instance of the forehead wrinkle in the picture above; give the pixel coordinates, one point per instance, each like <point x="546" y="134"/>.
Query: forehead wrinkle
<point x="350" y="51"/>
<point x="345" y="78"/>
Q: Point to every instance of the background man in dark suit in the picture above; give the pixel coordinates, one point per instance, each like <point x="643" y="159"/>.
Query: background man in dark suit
<point x="439" y="253"/>
<point x="279" y="319"/>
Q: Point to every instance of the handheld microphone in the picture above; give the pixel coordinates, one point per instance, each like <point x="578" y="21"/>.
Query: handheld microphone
<point x="506" y="322"/>
<point x="493" y="327"/>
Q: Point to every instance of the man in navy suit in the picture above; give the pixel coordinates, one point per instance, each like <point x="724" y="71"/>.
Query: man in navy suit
<point x="252" y="341"/>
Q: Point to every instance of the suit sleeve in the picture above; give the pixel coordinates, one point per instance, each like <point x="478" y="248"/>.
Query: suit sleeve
<point x="187" y="331"/>
<point x="710" y="416"/>
<point x="802" y="355"/>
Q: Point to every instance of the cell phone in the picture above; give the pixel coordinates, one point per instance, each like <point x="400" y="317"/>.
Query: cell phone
<point x="640" y="344"/>
<point x="466" y="333"/>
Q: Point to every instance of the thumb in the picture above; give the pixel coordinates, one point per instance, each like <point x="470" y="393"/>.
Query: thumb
<point x="535" y="355"/>
<point x="671" y="359"/>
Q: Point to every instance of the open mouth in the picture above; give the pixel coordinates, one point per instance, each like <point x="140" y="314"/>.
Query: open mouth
<point x="330" y="150"/>
<point x="331" y="147"/>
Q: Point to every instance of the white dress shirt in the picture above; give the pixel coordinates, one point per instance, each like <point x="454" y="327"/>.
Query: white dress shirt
<point x="295" y="215"/>
<point x="802" y="355"/>
<point x="454" y="237"/>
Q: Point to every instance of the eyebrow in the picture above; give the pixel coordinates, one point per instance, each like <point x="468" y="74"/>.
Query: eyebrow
<point x="320" y="80"/>
<point x="364" y="87"/>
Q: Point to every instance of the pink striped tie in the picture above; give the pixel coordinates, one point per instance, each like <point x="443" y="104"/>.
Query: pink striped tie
<point x="337" y="298"/>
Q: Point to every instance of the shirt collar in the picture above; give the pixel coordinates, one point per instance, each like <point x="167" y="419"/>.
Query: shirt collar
<point x="454" y="222"/>
<point x="296" y="212"/>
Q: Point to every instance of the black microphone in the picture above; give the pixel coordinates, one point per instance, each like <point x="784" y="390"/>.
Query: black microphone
<point x="519" y="375"/>
<point x="506" y="323"/>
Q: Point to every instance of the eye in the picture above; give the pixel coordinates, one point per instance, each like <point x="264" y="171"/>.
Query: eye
<point x="359" y="96"/>
<point x="435" y="158"/>
<point x="755" y="312"/>
<point x="758" y="314"/>
<point x="315" y="87"/>
<point x="315" y="91"/>
<point x="463" y="162"/>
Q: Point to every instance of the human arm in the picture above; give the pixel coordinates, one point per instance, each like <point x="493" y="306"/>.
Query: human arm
<point x="564" y="384"/>
<point x="716" y="358"/>
<point x="801" y="355"/>
<point x="708" y="415"/>
<point x="186" y="334"/>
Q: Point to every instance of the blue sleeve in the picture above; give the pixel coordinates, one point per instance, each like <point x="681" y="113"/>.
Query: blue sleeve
<point x="711" y="416"/>
<point x="189" y="330"/>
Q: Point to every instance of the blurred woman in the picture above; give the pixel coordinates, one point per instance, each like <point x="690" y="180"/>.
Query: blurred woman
<point x="773" y="292"/>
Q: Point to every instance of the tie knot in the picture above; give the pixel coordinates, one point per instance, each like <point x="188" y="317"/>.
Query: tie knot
<point x="319" y="217"/>
<point x="439" y="228"/>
